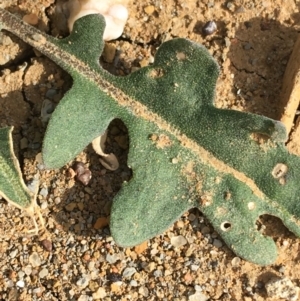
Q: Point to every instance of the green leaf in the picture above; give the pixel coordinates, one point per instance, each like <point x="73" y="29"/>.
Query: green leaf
<point x="12" y="186"/>
<point x="184" y="152"/>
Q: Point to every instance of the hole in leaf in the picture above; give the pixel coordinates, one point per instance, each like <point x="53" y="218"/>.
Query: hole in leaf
<point x="156" y="73"/>
<point x="273" y="226"/>
<point x="226" y="226"/>
<point x="279" y="171"/>
<point x="85" y="210"/>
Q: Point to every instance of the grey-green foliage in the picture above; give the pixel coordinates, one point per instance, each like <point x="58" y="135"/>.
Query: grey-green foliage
<point x="184" y="152"/>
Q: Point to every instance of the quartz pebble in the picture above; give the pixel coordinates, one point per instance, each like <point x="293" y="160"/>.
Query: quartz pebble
<point x="13" y="253"/>
<point x="128" y="272"/>
<point x="83" y="281"/>
<point x="33" y="185"/>
<point x="209" y="28"/>
<point x="178" y="241"/>
<point x="133" y="283"/>
<point x="112" y="258"/>
<point x="20" y="283"/>
<point x="43" y="192"/>
<point x="35" y="259"/>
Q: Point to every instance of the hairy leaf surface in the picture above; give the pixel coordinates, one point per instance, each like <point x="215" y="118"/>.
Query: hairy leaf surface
<point x="184" y="152"/>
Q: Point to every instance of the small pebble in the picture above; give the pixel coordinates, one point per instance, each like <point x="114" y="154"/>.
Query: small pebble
<point x="13" y="253"/>
<point x="157" y="273"/>
<point x="109" y="52"/>
<point x="281" y="269"/>
<point x="35" y="260"/>
<point x="133" y="283"/>
<point x="43" y="273"/>
<point x="28" y="270"/>
<point x="83" y="298"/>
<point x="209" y="28"/>
<point x="44" y="205"/>
<point x="114" y="277"/>
<point x="178" y="241"/>
<point x="23" y="143"/>
<point x="47" y="245"/>
<point x="205" y="230"/>
<point x="112" y="258"/>
<point x="192" y="217"/>
<point x="217" y="243"/>
<point x="31" y="19"/>
<point x="37" y="290"/>
<point x="20" y="283"/>
<point x="33" y="185"/>
<point x="194" y="267"/>
<point x="128" y="272"/>
<point x="51" y="93"/>
<point x="83" y="281"/>
<point x="198" y="296"/>
<point x="149" y="10"/>
<point x="236" y="261"/>
<point x="99" y="294"/>
<point x="43" y="192"/>
<point x="144" y="291"/>
<point x="21" y="274"/>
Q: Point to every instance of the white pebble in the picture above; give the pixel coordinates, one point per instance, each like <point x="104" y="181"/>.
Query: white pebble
<point x="133" y="283"/>
<point x="44" y="192"/>
<point x="84" y="281"/>
<point x="194" y="267"/>
<point x="178" y="241"/>
<point x="112" y="258"/>
<point x="128" y="272"/>
<point x="236" y="261"/>
<point x="21" y="274"/>
<point x="20" y="283"/>
<point x="13" y="253"/>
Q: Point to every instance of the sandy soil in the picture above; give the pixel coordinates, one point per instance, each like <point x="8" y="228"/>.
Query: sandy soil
<point x="76" y="259"/>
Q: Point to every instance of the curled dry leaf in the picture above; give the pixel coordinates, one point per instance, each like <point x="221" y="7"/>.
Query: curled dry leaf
<point x="109" y="161"/>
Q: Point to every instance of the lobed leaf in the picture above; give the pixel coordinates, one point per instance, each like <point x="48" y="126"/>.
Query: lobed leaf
<point x="184" y="152"/>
